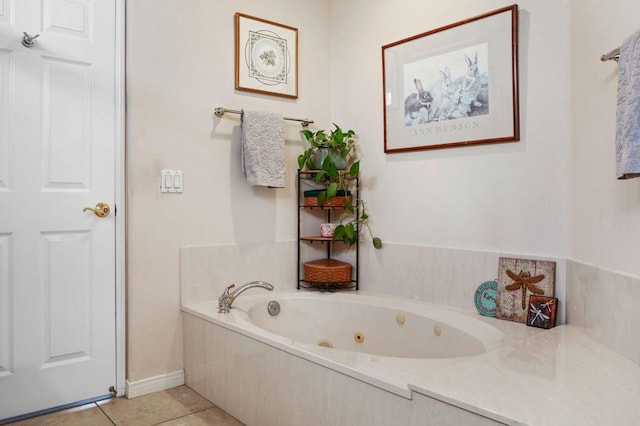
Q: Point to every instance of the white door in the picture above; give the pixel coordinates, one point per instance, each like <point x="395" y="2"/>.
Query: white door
<point x="57" y="262"/>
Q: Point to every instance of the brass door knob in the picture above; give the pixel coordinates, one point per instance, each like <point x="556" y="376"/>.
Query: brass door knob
<point x="101" y="209"/>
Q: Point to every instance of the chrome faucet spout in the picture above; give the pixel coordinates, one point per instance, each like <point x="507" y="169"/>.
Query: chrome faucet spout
<point x="226" y="299"/>
<point x="252" y="284"/>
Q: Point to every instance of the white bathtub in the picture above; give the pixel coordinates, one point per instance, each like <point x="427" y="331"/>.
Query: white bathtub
<point x="371" y="325"/>
<point x="383" y="341"/>
<point x="270" y="371"/>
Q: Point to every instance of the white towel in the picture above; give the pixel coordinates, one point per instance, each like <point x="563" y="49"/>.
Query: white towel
<point x="263" y="154"/>
<point x="628" y="112"/>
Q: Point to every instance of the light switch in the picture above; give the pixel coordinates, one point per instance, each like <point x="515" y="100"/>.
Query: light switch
<point x="171" y="181"/>
<point x="177" y="181"/>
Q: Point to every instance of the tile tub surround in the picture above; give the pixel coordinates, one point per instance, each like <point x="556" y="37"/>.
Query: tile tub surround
<point x="557" y="376"/>
<point x="205" y="271"/>
<point x="439" y="275"/>
<point x="604" y="305"/>
<point x="445" y="276"/>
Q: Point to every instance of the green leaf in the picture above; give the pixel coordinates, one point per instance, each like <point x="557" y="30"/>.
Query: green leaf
<point x="320" y="176"/>
<point x="364" y="216"/>
<point x="338" y="233"/>
<point x="301" y="161"/>
<point x="338" y="136"/>
<point x="344" y="215"/>
<point x="347" y="205"/>
<point x="322" y="195"/>
<point x="349" y="231"/>
<point x="308" y="135"/>
<point x="330" y="167"/>
<point x="332" y="190"/>
<point x="377" y="242"/>
<point x="355" y="169"/>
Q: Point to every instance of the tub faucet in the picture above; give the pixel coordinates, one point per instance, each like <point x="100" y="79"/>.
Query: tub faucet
<point x="226" y="300"/>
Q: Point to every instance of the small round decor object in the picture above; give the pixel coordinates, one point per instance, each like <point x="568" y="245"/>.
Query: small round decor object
<point x="400" y="319"/>
<point x="485" y="298"/>
<point x="437" y="330"/>
<point x="359" y="337"/>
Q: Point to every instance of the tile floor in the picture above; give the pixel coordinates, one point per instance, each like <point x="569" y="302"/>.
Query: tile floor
<point x="172" y="407"/>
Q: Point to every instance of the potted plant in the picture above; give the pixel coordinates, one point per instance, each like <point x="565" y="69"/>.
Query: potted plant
<point x="338" y="145"/>
<point x="329" y="155"/>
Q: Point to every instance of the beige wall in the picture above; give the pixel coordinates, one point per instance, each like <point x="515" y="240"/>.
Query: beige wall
<point x="605" y="212"/>
<point x="180" y="65"/>
<point x="509" y="197"/>
<point x="552" y="194"/>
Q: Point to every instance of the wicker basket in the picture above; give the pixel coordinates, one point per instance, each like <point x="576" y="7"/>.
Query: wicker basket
<point x="327" y="271"/>
<point x="311" y="199"/>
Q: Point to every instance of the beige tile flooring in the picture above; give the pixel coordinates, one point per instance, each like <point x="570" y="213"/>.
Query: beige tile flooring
<point x="172" y="407"/>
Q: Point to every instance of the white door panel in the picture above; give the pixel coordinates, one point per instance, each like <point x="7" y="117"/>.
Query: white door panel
<point x="57" y="156"/>
<point x="5" y="11"/>
<point x="6" y="308"/>
<point x="6" y="65"/>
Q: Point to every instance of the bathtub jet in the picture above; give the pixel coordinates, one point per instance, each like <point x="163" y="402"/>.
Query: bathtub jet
<point x="226" y="300"/>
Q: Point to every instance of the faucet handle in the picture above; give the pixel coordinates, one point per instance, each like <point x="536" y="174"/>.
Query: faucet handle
<point x="225" y="301"/>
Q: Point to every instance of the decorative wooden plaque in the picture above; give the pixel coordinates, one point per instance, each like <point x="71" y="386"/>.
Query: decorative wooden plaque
<point x="517" y="280"/>
<point x="541" y="311"/>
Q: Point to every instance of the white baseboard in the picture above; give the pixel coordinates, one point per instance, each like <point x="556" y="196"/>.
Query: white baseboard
<point x="154" y="384"/>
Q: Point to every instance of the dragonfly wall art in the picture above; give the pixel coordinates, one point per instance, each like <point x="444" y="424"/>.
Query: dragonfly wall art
<point x="518" y="279"/>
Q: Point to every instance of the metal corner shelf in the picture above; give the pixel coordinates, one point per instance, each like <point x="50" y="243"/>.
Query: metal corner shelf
<point x="304" y="177"/>
<point x="319" y="239"/>
<point x="323" y="207"/>
<point x="328" y="287"/>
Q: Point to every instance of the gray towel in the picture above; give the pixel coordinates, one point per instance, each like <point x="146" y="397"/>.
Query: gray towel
<point x="628" y="112"/>
<point x="262" y="144"/>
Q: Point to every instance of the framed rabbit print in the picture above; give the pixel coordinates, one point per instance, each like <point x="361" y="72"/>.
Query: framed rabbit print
<point x="266" y="57"/>
<point x="453" y="86"/>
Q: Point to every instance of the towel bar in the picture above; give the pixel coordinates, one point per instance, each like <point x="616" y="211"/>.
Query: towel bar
<point x="219" y="112"/>
<point x="614" y="55"/>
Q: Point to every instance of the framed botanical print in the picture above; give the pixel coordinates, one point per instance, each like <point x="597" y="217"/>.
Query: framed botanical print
<point x="266" y="57"/>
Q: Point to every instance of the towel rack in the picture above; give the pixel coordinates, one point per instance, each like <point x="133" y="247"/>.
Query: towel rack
<point x="614" y="55"/>
<point x="219" y="112"/>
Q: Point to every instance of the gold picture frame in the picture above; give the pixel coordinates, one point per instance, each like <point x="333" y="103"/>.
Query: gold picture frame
<point x="266" y="57"/>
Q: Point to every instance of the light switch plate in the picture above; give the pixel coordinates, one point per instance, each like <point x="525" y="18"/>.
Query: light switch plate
<point x="171" y="181"/>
